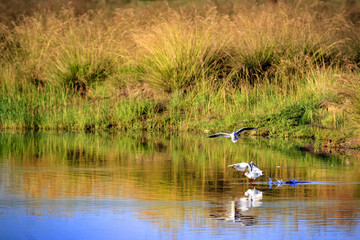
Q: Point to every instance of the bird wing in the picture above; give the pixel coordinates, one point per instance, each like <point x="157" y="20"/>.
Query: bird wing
<point x="255" y="168"/>
<point x="243" y="129"/>
<point x="239" y="166"/>
<point x="253" y="165"/>
<point x="221" y="134"/>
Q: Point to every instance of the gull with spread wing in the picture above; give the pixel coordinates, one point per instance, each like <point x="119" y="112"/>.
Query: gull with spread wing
<point x="253" y="171"/>
<point x="232" y="135"/>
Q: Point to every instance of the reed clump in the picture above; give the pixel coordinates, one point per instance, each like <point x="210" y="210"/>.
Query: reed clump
<point x="180" y="67"/>
<point x="184" y="51"/>
<point x="347" y="99"/>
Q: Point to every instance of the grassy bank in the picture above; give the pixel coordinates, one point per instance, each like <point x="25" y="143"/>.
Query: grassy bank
<point x="291" y="70"/>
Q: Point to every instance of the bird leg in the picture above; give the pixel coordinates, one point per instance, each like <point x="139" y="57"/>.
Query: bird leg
<point x="252" y="181"/>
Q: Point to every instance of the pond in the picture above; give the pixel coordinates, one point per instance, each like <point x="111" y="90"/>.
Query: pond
<point x="134" y="186"/>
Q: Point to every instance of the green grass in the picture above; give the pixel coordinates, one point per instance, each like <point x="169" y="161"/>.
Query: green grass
<point x="291" y="71"/>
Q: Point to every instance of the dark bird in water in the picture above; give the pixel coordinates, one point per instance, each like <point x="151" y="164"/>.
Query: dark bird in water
<point x="232" y="135"/>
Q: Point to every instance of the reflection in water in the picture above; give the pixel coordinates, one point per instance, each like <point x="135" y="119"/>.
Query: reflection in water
<point x="170" y="185"/>
<point x="237" y="207"/>
<point x="252" y="199"/>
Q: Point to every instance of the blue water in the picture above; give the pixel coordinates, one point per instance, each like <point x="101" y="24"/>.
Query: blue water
<point x="122" y="219"/>
<point x="109" y="187"/>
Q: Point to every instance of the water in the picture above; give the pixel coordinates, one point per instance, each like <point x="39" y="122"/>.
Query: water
<point x="88" y="186"/>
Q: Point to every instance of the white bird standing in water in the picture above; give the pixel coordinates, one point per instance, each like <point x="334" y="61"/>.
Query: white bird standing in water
<point x="232" y="135"/>
<point x="253" y="171"/>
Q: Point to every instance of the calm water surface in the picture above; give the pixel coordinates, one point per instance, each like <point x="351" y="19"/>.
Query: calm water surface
<point x="88" y="186"/>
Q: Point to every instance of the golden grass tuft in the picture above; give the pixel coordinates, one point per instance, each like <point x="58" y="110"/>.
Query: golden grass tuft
<point x="203" y="61"/>
<point x="181" y="51"/>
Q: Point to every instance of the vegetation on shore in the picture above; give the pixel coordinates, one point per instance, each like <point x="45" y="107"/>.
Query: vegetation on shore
<point x="290" y="69"/>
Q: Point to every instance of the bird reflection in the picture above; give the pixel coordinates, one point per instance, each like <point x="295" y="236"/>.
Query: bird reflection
<point x="252" y="199"/>
<point x="234" y="211"/>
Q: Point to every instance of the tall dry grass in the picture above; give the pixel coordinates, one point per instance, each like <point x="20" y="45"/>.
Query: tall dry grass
<point x="184" y="50"/>
<point x="347" y="99"/>
<point x="186" y="66"/>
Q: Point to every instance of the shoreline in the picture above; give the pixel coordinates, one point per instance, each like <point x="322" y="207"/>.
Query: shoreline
<point x="291" y="72"/>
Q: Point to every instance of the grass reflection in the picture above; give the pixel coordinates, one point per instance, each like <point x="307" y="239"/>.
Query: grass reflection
<point x="177" y="170"/>
<point x="152" y="166"/>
